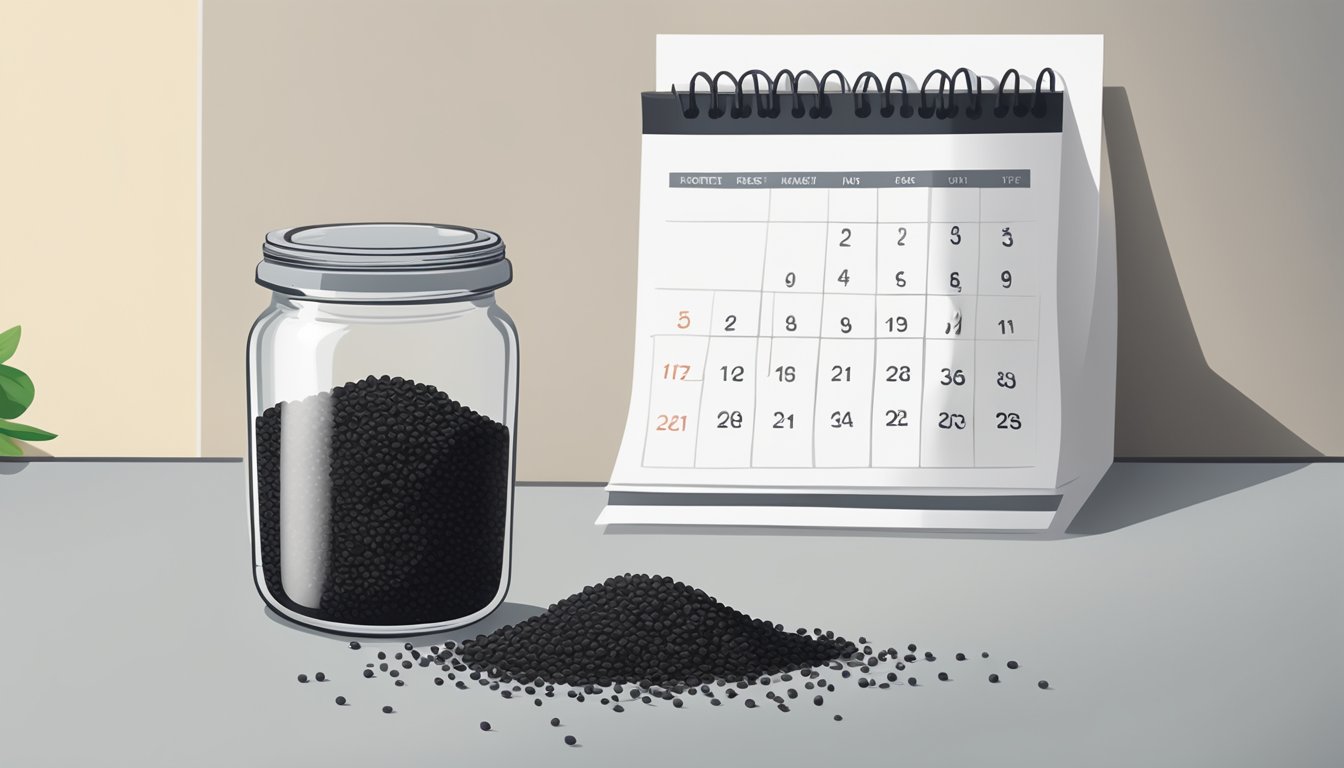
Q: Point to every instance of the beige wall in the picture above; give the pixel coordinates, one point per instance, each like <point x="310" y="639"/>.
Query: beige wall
<point x="98" y="219"/>
<point x="1220" y="114"/>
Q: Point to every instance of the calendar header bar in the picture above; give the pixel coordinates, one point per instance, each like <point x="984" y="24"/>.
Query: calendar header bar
<point x="980" y="179"/>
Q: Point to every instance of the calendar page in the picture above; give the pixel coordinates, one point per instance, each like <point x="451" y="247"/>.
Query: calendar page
<point x="810" y="321"/>
<point x="844" y="307"/>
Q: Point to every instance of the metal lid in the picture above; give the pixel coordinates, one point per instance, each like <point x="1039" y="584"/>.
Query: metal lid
<point x="383" y="262"/>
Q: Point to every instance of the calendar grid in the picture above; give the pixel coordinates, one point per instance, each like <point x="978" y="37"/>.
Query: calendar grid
<point x="785" y="228"/>
<point x="760" y="318"/>
<point x="975" y="337"/>
<point x="700" y="402"/>
<point x="821" y="318"/>
<point x="872" y="380"/>
<point x="924" y="343"/>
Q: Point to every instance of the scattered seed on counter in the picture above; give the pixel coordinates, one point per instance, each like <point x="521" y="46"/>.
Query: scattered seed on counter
<point x="387" y="710"/>
<point x="400" y="683"/>
<point x="961" y="657"/>
<point x="340" y="701"/>
<point x="984" y="654"/>
<point x="320" y="677"/>
<point x="1012" y="665"/>
<point x="943" y="676"/>
<point x="1043" y="685"/>
<point x="571" y="741"/>
<point x="993" y="678"/>
<point x="912" y="682"/>
<point x="368" y="673"/>
<point x="354" y="645"/>
<point x="818" y="700"/>
<point x="555" y="722"/>
<point x="837" y="718"/>
<point x="485" y="725"/>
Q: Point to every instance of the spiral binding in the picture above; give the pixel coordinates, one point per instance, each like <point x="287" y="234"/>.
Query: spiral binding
<point x="942" y="105"/>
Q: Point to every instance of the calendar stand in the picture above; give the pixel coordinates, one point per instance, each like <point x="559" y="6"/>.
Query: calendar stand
<point x="882" y="308"/>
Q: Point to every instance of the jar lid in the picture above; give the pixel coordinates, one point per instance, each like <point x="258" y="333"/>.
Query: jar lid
<point x="383" y="262"/>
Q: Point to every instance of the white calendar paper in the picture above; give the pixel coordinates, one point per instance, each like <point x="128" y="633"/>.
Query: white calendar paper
<point x="857" y="329"/>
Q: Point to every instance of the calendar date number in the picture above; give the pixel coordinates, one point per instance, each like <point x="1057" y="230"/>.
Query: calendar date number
<point x="951" y="420"/>
<point x="730" y="420"/>
<point x="676" y="371"/>
<point x="670" y="423"/>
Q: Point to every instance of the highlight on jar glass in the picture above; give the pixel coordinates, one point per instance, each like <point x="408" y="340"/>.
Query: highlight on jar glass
<point x="383" y="389"/>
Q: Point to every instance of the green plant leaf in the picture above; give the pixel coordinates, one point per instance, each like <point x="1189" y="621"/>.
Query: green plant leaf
<point x="9" y="342"/>
<point x="9" y="447"/>
<point x="23" y="431"/>
<point x="16" y="392"/>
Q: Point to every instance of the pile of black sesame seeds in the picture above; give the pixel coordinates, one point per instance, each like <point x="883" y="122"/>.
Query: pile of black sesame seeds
<point x="574" y="650"/>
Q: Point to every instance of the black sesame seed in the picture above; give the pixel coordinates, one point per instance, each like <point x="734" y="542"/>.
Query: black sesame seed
<point x="406" y="471"/>
<point x="382" y="655"/>
<point x="340" y="701"/>
<point x="400" y="683"/>
<point x="571" y="741"/>
<point x="984" y="654"/>
<point x="961" y="657"/>
<point x="1043" y="685"/>
<point x="818" y="700"/>
<point x="677" y="703"/>
<point x="942" y="676"/>
<point x="1011" y="665"/>
<point x="911" y="681"/>
<point x="354" y="645"/>
<point x="911" y="647"/>
<point x="838" y="718"/>
<point x="319" y="677"/>
<point x="368" y="673"/>
<point x="387" y="710"/>
<point x="993" y="678"/>
<point x="618" y="708"/>
<point x="303" y="678"/>
<point x="555" y="721"/>
<point x="485" y="725"/>
<point x="751" y="703"/>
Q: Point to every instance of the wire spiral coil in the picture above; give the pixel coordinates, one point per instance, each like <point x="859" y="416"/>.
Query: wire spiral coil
<point x="937" y="103"/>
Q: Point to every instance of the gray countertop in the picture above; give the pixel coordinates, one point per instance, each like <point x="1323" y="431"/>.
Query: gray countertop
<point x="1197" y="619"/>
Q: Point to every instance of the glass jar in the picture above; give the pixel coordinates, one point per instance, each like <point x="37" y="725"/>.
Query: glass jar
<point x="383" y="387"/>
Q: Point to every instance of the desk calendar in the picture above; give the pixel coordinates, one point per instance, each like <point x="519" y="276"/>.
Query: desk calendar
<point x="849" y="302"/>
